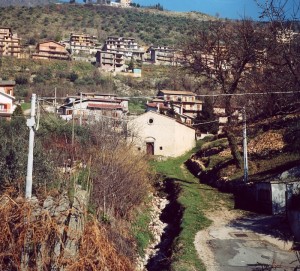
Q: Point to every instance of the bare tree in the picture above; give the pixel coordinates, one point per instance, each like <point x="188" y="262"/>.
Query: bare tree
<point x="282" y="71"/>
<point x="120" y="176"/>
<point x="225" y="54"/>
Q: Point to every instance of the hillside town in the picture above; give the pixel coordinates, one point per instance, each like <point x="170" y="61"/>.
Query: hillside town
<point x="120" y="155"/>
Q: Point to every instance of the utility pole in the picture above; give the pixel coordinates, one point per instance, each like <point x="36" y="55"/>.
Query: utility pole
<point x="30" y="124"/>
<point x="80" y="110"/>
<point x="55" y="100"/>
<point x="73" y="125"/>
<point x="245" y="146"/>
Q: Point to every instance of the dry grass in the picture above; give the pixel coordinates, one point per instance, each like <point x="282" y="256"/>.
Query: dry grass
<point x="33" y="239"/>
<point x="97" y="253"/>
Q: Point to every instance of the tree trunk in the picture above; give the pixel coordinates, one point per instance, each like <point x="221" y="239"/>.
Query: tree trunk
<point x="238" y="160"/>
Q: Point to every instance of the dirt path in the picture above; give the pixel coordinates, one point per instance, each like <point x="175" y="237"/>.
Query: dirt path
<point x="220" y="218"/>
<point x="242" y="241"/>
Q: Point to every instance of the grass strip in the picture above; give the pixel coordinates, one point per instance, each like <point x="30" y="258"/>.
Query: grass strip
<point x="196" y="199"/>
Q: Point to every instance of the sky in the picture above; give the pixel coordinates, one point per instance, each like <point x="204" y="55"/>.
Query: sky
<point x="231" y="9"/>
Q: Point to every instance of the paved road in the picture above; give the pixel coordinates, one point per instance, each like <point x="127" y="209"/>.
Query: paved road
<point x="250" y="243"/>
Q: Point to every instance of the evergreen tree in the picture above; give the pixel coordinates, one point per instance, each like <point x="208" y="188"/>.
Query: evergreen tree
<point x="171" y="112"/>
<point x="206" y="121"/>
<point x="18" y="112"/>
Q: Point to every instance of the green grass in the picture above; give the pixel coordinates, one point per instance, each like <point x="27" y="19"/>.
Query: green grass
<point x="25" y="106"/>
<point x="223" y="142"/>
<point x="196" y="199"/>
<point x="137" y="107"/>
<point x="215" y="160"/>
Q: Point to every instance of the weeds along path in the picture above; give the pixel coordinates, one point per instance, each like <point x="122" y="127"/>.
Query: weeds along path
<point x="196" y="200"/>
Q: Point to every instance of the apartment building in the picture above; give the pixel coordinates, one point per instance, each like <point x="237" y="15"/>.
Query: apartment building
<point x="128" y="46"/>
<point x="111" y="60"/>
<point x="163" y="55"/>
<point x="185" y="104"/>
<point x="124" y="3"/>
<point x="9" y="43"/>
<point x="83" y="47"/>
<point x="116" y="51"/>
<point x="51" y="50"/>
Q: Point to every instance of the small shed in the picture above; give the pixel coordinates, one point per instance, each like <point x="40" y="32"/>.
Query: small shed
<point x="272" y="195"/>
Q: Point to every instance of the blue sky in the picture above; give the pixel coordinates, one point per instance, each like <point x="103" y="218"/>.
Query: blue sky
<point x="232" y="9"/>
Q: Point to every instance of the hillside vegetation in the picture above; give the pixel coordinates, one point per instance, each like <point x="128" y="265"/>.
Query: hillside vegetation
<point x="70" y="77"/>
<point x="56" y="22"/>
<point x="273" y="146"/>
<point x="29" y="3"/>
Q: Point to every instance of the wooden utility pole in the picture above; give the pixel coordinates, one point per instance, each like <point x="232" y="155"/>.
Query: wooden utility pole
<point x="30" y="124"/>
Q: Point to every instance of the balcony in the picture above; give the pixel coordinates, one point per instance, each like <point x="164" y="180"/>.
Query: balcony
<point x="4" y="111"/>
<point x="107" y="61"/>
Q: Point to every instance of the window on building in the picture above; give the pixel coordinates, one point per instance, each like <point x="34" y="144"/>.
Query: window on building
<point x="2" y="107"/>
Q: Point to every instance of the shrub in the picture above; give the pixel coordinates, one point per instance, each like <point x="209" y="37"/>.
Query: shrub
<point x="120" y="176"/>
<point x="22" y="79"/>
<point x="73" y="76"/>
<point x="13" y="155"/>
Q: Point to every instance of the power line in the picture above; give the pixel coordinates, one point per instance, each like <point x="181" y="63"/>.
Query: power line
<point x="197" y="95"/>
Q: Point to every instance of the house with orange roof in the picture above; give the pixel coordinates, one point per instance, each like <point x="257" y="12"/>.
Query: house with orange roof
<point x="92" y="107"/>
<point x="51" y="50"/>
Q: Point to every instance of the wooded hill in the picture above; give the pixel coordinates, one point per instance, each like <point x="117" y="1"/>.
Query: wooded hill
<point x="56" y="22"/>
<point x="29" y="3"/>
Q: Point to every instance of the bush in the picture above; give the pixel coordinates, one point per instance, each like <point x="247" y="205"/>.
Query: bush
<point x="13" y="156"/>
<point x="120" y="176"/>
<point x="39" y="79"/>
<point x="22" y="79"/>
<point x="31" y="41"/>
<point x="73" y="76"/>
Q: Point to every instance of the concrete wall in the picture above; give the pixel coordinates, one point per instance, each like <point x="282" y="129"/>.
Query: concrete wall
<point x="294" y="221"/>
<point x="273" y="197"/>
<point x="170" y="138"/>
<point x="263" y="197"/>
<point x="278" y="198"/>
